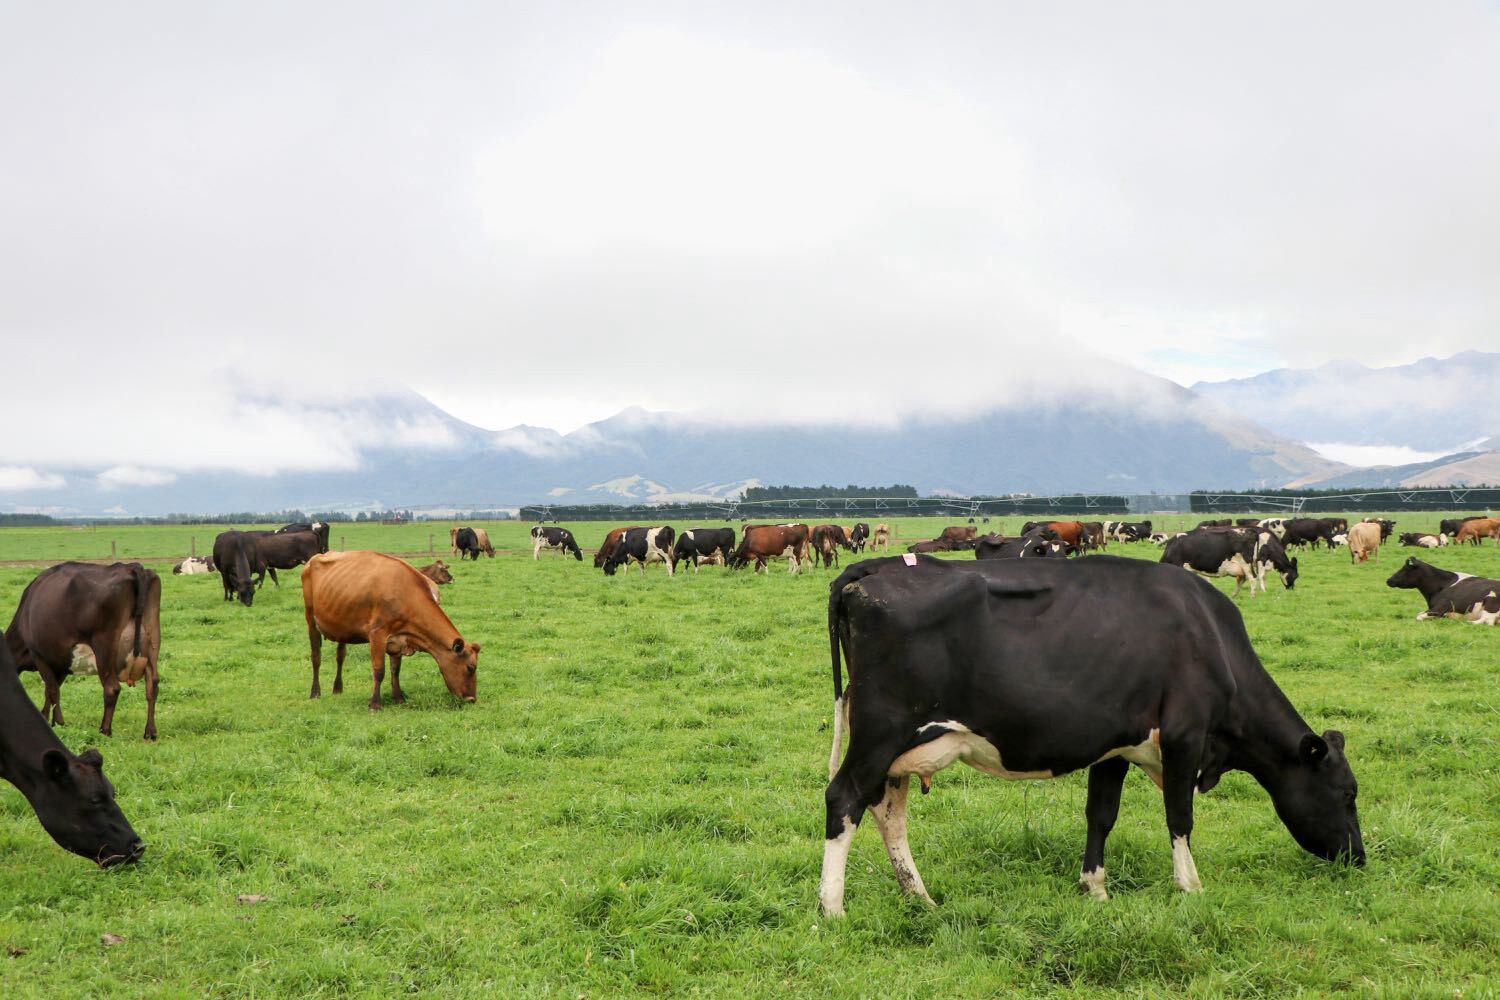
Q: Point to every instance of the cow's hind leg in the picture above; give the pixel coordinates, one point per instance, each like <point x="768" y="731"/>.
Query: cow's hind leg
<point x="153" y="684"/>
<point x="108" y="679"/>
<point x="51" y="694"/>
<point x="858" y="786"/>
<point x="1106" y="779"/>
<point x="315" y="640"/>
<point x="377" y="666"/>
<point x="890" y="818"/>
<point x="338" y="674"/>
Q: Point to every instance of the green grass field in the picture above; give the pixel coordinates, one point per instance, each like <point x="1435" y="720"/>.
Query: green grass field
<point x="635" y="805"/>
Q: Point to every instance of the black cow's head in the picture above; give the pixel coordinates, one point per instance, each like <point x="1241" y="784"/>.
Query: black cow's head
<point x="1409" y="575"/>
<point x="76" y="804"/>
<point x="1289" y="578"/>
<point x="1315" y="797"/>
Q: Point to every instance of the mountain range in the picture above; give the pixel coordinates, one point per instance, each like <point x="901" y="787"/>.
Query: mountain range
<point x="1143" y="434"/>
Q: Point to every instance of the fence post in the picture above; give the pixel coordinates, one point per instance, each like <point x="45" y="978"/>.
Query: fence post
<point x="193" y="546"/>
<point x="430" y="550"/>
<point x="341" y="543"/>
<point x="112" y="548"/>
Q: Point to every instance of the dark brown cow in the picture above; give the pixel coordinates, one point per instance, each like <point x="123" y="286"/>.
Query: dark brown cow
<point x="608" y="548"/>
<point x="78" y="617"/>
<point x="761" y="543"/>
<point x="282" y="550"/>
<point x="437" y="572"/>
<point x="369" y="597"/>
<point x="939" y="544"/>
<point x="73" y="799"/>
<point x="827" y="539"/>
<point x="1097" y="538"/>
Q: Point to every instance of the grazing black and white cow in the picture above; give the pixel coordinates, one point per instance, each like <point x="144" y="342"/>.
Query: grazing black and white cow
<point x="1216" y="552"/>
<point x="1386" y="526"/>
<point x="1035" y="669"/>
<point x="1270" y="555"/>
<point x="559" y="539"/>
<point x="1308" y="531"/>
<point x="1275" y="525"/>
<point x="1026" y="547"/>
<point x="860" y="535"/>
<point x="467" y="544"/>
<point x="644" y="545"/>
<point x="1450" y="595"/>
<point x="700" y="545"/>
<point x="1417" y="539"/>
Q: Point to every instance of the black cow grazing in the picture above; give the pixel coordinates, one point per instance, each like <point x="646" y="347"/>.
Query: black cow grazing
<point x="1452" y="526"/>
<point x="1220" y="523"/>
<point x="1028" y="547"/>
<point x="1386" y="526"/>
<point x="467" y="544"/>
<point x="319" y="528"/>
<point x="1309" y="531"/>
<point x="644" y="545"/>
<point x="82" y="618"/>
<point x="704" y="544"/>
<point x="71" y="796"/>
<point x="1450" y="595"/>
<point x="1032" y="669"/>
<point x="860" y="536"/>
<point x="237" y="558"/>
<point x="1216" y="552"/>
<point x="558" y="539"/>
<point x="283" y="550"/>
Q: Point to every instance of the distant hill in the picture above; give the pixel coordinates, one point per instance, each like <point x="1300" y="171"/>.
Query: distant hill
<point x="1432" y="405"/>
<point x="1465" y="468"/>
<point x="1145" y="434"/>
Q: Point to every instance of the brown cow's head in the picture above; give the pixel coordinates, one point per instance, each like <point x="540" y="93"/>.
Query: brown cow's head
<point x="459" y="663"/>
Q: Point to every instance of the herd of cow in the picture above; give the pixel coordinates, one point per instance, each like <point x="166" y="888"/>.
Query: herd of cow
<point x="946" y="661"/>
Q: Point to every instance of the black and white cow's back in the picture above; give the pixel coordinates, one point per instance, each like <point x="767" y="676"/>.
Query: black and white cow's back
<point x="642" y="545"/>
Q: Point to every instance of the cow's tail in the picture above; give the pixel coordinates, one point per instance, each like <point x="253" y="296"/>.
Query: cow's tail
<point x="140" y="579"/>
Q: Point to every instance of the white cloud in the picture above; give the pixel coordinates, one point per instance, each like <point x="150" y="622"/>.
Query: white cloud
<point x="18" y="478"/>
<point x="118" y="476"/>
<point x="1364" y="455"/>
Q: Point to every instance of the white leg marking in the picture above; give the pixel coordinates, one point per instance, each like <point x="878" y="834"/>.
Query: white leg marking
<point x="1093" y="883"/>
<point x="890" y="818"/>
<point x="835" y="860"/>
<point x="1184" y="871"/>
<point x="838" y="737"/>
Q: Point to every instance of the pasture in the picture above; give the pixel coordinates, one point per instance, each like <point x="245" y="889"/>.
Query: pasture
<point x="635" y="805"/>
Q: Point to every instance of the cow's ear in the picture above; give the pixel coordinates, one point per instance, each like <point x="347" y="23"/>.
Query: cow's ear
<point x="55" y="764"/>
<point x="1334" y="739"/>
<point x="1312" y="749"/>
<point x="458" y="645"/>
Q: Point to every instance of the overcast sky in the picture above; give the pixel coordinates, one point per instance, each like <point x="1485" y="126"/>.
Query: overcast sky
<point x="543" y="213"/>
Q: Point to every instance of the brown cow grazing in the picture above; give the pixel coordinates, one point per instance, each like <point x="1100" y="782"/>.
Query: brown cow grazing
<point x="368" y="597"/>
<point x="826" y="541"/>
<point x="1097" y="539"/>
<point x="82" y="618"/>
<point x="1473" y="531"/>
<point x="608" y="548"/>
<point x="882" y="537"/>
<point x="437" y="572"/>
<point x="960" y="537"/>
<point x="1072" y="532"/>
<point x="1364" y="541"/>
<point x="761" y="543"/>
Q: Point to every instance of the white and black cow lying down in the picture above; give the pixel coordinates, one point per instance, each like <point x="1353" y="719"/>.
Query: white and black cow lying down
<point x="643" y="545"/>
<point x="194" y="566"/>
<point x="559" y="539"/>
<point x="1450" y="595"/>
<point x="1034" y="668"/>
<point x="1416" y="539"/>
<point x="697" y="546"/>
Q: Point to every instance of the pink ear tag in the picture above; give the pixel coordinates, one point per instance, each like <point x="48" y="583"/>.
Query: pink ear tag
<point x="910" y="558"/>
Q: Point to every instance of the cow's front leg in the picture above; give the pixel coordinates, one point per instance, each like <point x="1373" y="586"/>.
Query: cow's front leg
<point x="338" y="659"/>
<point x="1180" y="758"/>
<point x="1106" y="779"/>
<point x="396" y="696"/>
